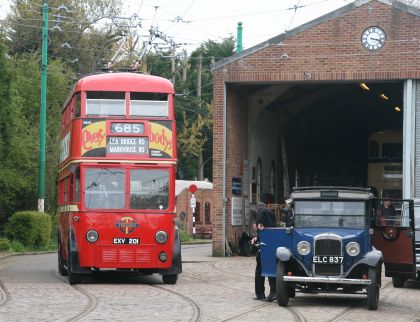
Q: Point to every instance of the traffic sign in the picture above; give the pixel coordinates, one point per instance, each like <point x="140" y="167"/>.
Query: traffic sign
<point x="193" y="202"/>
<point x="192" y="188"/>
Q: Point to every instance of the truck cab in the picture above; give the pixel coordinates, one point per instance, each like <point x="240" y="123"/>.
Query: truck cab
<point x="338" y="242"/>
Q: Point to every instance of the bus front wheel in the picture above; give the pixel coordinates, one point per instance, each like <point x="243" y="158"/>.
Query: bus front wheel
<point x="170" y="279"/>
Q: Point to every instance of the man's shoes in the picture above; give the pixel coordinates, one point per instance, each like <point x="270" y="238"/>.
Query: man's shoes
<point x="260" y="297"/>
<point x="271" y="297"/>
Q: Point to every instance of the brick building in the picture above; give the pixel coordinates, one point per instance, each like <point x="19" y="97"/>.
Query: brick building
<point x="290" y="111"/>
<point x="203" y="210"/>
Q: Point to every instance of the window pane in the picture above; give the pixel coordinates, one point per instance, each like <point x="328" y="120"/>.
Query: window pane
<point x="149" y="189"/>
<point x="78" y="105"/>
<point x="149" y="108"/>
<point x="373" y="149"/>
<point x="104" y="188"/>
<point x="347" y="214"/>
<point x="392" y="150"/>
<point x="207" y="212"/>
<point x="105" y="103"/>
<point x="197" y="212"/>
<point x="77" y="188"/>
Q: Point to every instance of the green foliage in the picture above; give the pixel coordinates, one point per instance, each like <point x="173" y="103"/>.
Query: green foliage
<point x="85" y="28"/>
<point x="17" y="247"/>
<point x="4" y="244"/>
<point x="184" y="236"/>
<point x="32" y="229"/>
<point x="54" y="230"/>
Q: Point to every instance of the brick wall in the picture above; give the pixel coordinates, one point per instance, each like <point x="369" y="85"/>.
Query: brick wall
<point x="183" y="205"/>
<point x="328" y="51"/>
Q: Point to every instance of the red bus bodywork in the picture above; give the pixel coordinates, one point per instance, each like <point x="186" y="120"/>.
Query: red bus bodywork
<point x="117" y="177"/>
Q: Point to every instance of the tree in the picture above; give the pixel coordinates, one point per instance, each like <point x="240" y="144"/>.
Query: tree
<point x="195" y="127"/>
<point x="19" y="121"/>
<point x="81" y="33"/>
<point x="412" y="3"/>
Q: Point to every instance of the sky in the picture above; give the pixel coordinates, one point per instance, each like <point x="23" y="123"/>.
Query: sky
<point x="191" y="22"/>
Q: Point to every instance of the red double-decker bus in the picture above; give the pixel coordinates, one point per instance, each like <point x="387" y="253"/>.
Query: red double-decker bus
<point x="117" y="178"/>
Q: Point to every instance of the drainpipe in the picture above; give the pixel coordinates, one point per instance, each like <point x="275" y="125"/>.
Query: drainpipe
<point x="239" y="38"/>
<point x="224" y="174"/>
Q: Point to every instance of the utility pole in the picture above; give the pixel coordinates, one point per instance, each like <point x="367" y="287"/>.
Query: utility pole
<point x="43" y="113"/>
<point x="239" y="38"/>
<point x="200" y="153"/>
<point x="173" y="65"/>
<point x="184" y="65"/>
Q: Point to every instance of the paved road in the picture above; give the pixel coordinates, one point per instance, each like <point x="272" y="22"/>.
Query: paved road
<point x="209" y="289"/>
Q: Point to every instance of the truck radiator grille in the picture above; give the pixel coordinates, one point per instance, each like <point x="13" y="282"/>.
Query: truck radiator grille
<point x="327" y="247"/>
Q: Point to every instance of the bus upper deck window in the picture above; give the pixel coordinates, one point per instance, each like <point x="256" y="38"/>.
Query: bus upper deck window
<point x="373" y="149"/>
<point x="105" y="103"/>
<point x="149" y="104"/>
<point x="78" y="105"/>
<point x="392" y="150"/>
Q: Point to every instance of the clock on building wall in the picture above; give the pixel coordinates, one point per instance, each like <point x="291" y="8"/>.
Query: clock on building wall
<point x="373" y="38"/>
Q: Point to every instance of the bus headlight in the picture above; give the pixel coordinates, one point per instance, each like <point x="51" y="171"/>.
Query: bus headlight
<point x="163" y="257"/>
<point x="304" y="248"/>
<point x="161" y="237"/>
<point x="92" y="236"/>
<point x="353" y="249"/>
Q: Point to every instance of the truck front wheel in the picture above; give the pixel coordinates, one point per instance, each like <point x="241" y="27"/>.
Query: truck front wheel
<point x="281" y="286"/>
<point x="373" y="289"/>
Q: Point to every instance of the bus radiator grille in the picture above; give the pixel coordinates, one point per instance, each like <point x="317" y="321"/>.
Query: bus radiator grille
<point x="126" y="256"/>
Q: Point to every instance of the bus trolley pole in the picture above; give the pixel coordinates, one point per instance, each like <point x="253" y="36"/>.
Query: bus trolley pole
<point x="43" y="113"/>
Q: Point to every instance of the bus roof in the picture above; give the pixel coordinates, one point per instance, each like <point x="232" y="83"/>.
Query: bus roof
<point x="124" y="82"/>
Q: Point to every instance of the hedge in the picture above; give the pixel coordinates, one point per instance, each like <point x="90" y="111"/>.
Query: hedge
<point x="31" y="228"/>
<point x="4" y="244"/>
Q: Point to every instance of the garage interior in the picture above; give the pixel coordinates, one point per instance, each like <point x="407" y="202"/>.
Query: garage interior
<point x="326" y="127"/>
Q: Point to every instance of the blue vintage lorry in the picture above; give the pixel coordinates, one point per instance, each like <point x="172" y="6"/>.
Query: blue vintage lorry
<point x="337" y="242"/>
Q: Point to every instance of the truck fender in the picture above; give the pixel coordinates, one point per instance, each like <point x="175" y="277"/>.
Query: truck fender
<point x="373" y="258"/>
<point x="283" y="254"/>
<point x="176" y="267"/>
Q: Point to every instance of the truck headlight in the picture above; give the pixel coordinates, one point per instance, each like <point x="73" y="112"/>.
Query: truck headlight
<point x="418" y="259"/>
<point x="92" y="236"/>
<point x="353" y="249"/>
<point x="304" y="248"/>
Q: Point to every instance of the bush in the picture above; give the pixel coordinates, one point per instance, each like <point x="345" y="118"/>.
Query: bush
<point x="32" y="229"/>
<point x="17" y="247"/>
<point x="184" y="236"/>
<point x="4" y="244"/>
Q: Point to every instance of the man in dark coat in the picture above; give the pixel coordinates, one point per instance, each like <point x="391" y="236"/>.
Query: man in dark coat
<point x="264" y="218"/>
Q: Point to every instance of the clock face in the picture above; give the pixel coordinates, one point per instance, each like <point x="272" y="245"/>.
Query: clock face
<point x="373" y="38"/>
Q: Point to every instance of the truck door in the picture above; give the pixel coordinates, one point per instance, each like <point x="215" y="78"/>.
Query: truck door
<point x="393" y="234"/>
